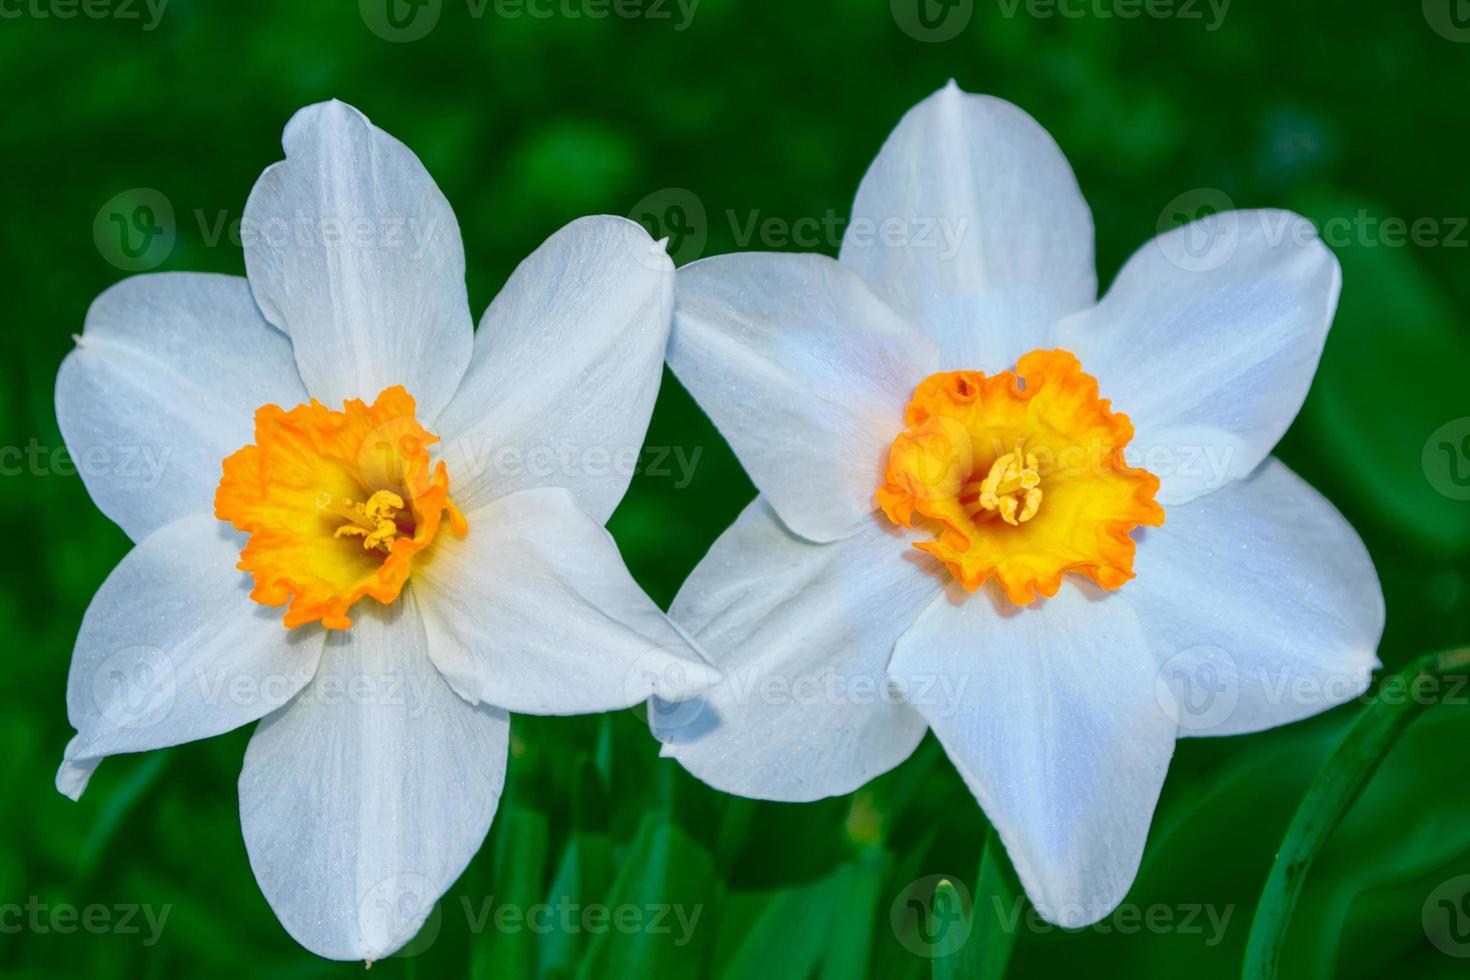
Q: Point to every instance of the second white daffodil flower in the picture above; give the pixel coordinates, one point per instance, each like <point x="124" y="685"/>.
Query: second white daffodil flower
<point x="426" y="503"/>
<point x="1046" y="526"/>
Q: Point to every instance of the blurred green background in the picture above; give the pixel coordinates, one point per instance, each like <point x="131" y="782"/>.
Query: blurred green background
<point x="769" y="109"/>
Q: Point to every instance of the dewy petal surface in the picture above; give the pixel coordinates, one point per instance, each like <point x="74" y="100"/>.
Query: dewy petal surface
<point x="161" y="387"/>
<point x="1058" y="729"/>
<point x="172" y="650"/>
<point x="1209" y="339"/>
<point x="805" y="372"/>
<point x="971" y="224"/>
<point x="567" y="365"/>
<point x="1260" y="603"/>
<point x="363" y="800"/>
<point x="802" y="633"/>
<point x="535" y="611"/>
<point x="352" y="250"/>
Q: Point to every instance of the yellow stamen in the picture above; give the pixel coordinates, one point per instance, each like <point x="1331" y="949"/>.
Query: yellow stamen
<point x="376" y="522"/>
<point x="1013" y="487"/>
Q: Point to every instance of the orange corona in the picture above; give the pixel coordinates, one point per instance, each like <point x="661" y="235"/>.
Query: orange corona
<point x="337" y="505"/>
<point x="1020" y="476"/>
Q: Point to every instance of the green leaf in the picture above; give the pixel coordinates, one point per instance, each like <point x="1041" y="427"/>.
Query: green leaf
<point x="950" y="914"/>
<point x="656" y="919"/>
<point x="824" y="928"/>
<point x="117" y="807"/>
<point x="892" y="957"/>
<point x="1391" y="377"/>
<point x="585" y="869"/>
<point x="506" y="947"/>
<point x="779" y="934"/>
<point x="997" y="892"/>
<point x="850" y="948"/>
<point x="1397" y="702"/>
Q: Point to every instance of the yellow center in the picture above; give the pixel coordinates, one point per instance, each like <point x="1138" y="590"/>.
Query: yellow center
<point x="376" y="521"/>
<point x="337" y="505"/>
<point x="1021" y="478"/>
<point x="1011" y="489"/>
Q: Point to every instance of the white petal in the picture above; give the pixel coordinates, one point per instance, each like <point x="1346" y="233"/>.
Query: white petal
<point x="172" y="649"/>
<point x="353" y="251"/>
<point x="805" y="372"/>
<point x="1051" y="716"/>
<point x="802" y="633"/>
<point x="1260" y="604"/>
<point x="535" y="611"/>
<point x="162" y="386"/>
<point x="1208" y="341"/>
<point x="971" y="224"/>
<point x="363" y="800"/>
<point x="567" y="365"/>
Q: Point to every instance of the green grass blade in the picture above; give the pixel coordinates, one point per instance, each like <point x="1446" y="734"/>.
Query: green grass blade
<point x="667" y="885"/>
<point x="950" y="921"/>
<point x="997" y="893"/>
<point x="1397" y="702"/>
<point x="116" y="809"/>
<point x="506" y="947"/>
<point x="850" y="947"/>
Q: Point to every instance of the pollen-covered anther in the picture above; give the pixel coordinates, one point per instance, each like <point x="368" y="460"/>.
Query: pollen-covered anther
<point x="376" y="522"/>
<point x="1011" y="489"/>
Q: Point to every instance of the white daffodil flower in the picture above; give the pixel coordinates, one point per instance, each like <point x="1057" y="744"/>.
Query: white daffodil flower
<point x="430" y="587"/>
<point x="946" y="528"/>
